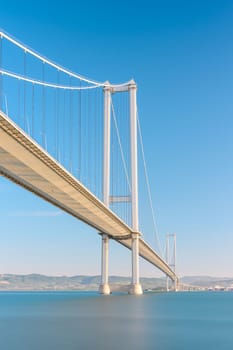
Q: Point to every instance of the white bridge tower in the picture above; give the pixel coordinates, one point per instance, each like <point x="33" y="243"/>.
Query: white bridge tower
<point x="131" y="88"/>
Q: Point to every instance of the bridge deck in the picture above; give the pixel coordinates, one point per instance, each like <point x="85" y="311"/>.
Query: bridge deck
<point x="27" y="164"/>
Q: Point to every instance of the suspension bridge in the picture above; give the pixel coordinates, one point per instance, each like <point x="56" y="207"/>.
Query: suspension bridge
<point x="73" y="141"/>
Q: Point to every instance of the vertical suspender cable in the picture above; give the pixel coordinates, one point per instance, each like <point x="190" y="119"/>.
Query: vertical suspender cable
<point x="43" y="106"/>
<point x="125" y="181"/>
<point x="99" y="140"/>
<point x="53" y="128"/>
<point x="33" y="109"/>
<point x="94" y="139"/>
<point x="57" y="118"/>
<point x="89" y="140"/>
<point x="19" y="98"/>
<point x="80" y="132"/>
<point x="64" y="129"/>
<point x="118" y="178"/>
<point x="88" y="148"/>
<point x="122" y="174"/>
<point x="1" y="76"/>
<point x="86" y="137"/>
<point x="24" y="90"/>
<point x="71" y="128"/>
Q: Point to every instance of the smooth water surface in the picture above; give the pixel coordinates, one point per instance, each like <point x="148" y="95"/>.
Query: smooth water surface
<point x="75" y="320"/>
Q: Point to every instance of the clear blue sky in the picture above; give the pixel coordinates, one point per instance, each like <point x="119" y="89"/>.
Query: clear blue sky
<point x="181" y="55"/>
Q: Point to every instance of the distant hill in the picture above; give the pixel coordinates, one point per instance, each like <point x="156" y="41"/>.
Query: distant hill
<point x="42" y="282"/>
<point x="207" y="281"/>
<point x="81" y="282"/>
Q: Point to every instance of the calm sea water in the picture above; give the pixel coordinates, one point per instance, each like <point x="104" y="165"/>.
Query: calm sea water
<point x="75" y="320"/>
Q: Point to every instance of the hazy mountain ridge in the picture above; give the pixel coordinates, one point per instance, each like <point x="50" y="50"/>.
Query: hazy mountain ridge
<point x="79" y="282"/>
<point x="84" y="282"/>
<point x="208" y="281"/>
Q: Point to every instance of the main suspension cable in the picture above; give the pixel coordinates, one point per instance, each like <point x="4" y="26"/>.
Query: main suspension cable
<point x="47" y="61"/>
<point x="44" y="83"/>
<point x="55" y="65"/>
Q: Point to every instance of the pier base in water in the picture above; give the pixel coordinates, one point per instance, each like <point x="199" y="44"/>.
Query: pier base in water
<point x="104" y="289"/>
<point x="135" y="289"/>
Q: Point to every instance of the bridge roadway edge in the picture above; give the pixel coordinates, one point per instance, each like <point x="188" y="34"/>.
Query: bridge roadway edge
<point x="113" y="226"/>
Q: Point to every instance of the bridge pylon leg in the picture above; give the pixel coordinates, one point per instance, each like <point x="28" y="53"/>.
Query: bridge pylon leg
<point x="176" y="285"/>
<point x="167" y="283"/>
<point x="104" y="286"/>
<point x="135" y="288"/>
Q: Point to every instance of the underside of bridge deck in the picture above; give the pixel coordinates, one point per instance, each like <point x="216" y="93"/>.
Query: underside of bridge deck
<point x="27" y="164"/>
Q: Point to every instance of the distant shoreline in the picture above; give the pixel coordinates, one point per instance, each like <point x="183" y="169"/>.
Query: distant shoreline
<point x="84" y="283"/>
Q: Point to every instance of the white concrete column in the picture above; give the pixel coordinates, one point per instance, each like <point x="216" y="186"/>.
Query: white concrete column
<point x="167" y="260"/>
<point x="167" y="283"/>
<point x="135" y="286"/>
<point x="106" y="145"/>
<point x="176" y="285"/>
<point x="104" y="286"/>
<point x="134" y="155"/>
<point x="174" y="252"/>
